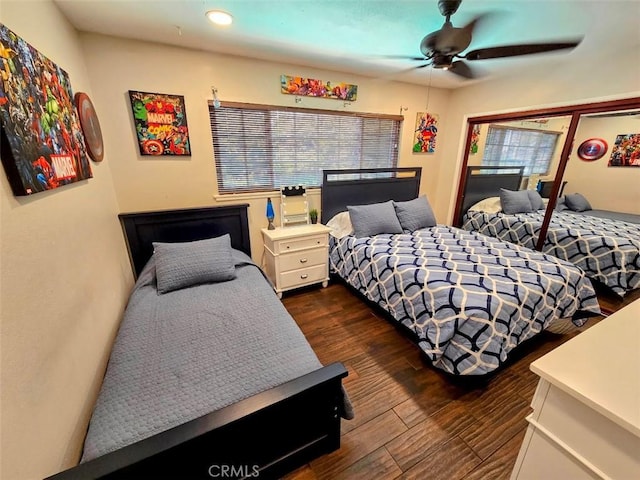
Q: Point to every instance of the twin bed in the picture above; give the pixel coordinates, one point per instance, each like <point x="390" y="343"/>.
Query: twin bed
<point x="209" y="374"/>
<point x="606" y="245"/>
<point x="467" y="300"/>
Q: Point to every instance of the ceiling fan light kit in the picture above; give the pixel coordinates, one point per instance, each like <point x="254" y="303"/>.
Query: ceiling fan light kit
<point x="443" y="48"/>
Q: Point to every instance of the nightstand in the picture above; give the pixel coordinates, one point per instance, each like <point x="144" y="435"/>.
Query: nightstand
<point x="296" y="256"/>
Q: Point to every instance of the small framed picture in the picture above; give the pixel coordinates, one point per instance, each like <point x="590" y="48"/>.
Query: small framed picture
<point x="161" y="123"/>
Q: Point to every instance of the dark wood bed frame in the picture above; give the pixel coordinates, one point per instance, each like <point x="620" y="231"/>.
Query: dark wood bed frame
<point x="263" y="436"/>
<point x="366" y="186"/>
<point x="483" y="182"/>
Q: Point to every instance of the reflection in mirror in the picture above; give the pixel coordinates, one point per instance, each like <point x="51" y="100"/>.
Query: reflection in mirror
<point x="596" y="222"/>
<point x="612" y="181"/>
<point x="535" y="144"/>
<point x="522" y="157"/>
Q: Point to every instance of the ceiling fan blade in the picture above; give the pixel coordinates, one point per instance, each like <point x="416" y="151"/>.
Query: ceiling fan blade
<point x="393" y="75"/>
<point x="402" y="57"/>
<point x="462" y="69"/>
<point x="517" y="50"/>
<point x="459" y="37"/>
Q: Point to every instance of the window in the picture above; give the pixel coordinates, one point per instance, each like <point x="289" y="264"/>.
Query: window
<point x="260" y="147"/>
<point x="508" y="146"/>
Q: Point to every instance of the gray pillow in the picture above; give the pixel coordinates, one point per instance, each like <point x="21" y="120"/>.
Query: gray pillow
<point x="181" y="265"/>
<point x="577" y="202"/>
<point x="415" y="214"/>
<point x="536" y="200"/>
<point x="561" y="205"/>
<point x="515" y="201"/>
<point x="368" y="220"/>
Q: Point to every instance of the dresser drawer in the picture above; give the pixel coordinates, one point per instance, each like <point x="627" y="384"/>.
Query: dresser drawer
<point x="303" y="259"/>
<point x="293" y="244"/>
<point x="303" y="276"/>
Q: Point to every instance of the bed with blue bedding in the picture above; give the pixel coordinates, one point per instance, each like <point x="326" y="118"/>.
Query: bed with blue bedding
<point x="208" y="369"/>
<point x="466" y="299"/>
<point x="606" y="248"/>
<point x="605" y="244"/>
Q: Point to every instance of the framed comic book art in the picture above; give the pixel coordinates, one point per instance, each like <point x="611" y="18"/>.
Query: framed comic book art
<point x="161" y="123"/>
<point x="42" y="146"/>
<point x="425" y="133"/>
<point x="625" y="151"/>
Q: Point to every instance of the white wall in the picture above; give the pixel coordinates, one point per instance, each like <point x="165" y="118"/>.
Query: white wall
<point x="146" y="183"/>
<point x="64" y="279"/>
<point x="606" y="188"/>
<point x="611" y="78"/>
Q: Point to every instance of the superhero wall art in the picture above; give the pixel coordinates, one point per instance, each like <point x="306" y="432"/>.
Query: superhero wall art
<point x="161" y="123"/>
<point x="42" y="145"/>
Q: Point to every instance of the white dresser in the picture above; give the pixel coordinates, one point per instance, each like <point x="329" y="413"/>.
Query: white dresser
<point x="296" y="256"/>
<point x="586" y="410"/>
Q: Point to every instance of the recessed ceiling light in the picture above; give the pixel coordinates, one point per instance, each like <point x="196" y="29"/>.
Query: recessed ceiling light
<point x="219" y="17"/>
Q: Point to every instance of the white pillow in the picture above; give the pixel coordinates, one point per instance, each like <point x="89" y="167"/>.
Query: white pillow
<point x="488" y="205"/>
<point x="340" y="225"/>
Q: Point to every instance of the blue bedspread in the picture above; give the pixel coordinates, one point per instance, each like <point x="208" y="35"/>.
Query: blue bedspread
<point x="607" y="250"/>
<point x="187" y="353"/>
<point x="468" y="299"/>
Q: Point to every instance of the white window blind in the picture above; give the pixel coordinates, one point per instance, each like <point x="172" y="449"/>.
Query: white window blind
<point x="260" y="147"/>
<point x="515" y="147"/>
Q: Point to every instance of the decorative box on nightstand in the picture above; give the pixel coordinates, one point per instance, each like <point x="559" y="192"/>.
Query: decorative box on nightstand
<point x="296" y="256"/>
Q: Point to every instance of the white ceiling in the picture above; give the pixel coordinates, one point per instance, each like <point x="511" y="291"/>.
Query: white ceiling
<point x="351" y="35"/>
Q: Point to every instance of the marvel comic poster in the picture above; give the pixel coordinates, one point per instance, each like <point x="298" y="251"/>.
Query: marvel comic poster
<point x="161" y="123"/>
<point x="42" y="145"/>
<point x="626" y="151"/>
<point x="424" y="138"/>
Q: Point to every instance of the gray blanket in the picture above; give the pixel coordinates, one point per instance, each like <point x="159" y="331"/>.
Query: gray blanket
<point x="468" y="299"/>
<point x="187" y="353"/>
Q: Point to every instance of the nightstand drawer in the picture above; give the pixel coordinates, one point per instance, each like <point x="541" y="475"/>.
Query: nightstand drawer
<point x="303" y="259"/>
<point x="293" y="244"/>
<point x="303" y="276"/>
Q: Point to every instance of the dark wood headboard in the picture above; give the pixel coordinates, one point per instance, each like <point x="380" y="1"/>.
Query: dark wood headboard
<point x="365" y="186"/>
<point x="171" y="226"/>
<point x="484" y="182"/>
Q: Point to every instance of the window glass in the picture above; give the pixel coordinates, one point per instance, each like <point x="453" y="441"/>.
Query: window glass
<point x="532" y="149"/>
<point x="261" y="147"/>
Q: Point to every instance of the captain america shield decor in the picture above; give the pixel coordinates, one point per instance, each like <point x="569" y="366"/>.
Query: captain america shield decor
<point x="592" y="149"/>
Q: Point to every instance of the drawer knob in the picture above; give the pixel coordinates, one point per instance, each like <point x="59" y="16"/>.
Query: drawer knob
<point x="303" y="276"/>
<point x="303" y="260"/>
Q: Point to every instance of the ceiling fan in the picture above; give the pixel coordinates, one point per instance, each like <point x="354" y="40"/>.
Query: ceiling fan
<point x="442" y="48"/>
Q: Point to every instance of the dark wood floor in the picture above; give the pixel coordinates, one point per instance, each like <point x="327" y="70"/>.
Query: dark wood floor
<point x="411" y="420"/>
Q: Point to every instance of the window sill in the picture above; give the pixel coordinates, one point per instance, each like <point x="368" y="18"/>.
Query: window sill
<point x="234" y="197"/>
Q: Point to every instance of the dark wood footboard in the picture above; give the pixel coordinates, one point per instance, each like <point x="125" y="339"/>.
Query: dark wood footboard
<point x="263" y="437"/>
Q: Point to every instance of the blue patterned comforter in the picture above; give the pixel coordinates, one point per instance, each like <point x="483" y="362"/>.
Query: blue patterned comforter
<point x="468" y="299"/>
<point x="607" y="250"/>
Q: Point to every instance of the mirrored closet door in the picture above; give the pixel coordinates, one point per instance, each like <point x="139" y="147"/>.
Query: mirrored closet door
<point x="584" y="161"/>
<point x="604" y="165"/>
<point x="512" y="161"/>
